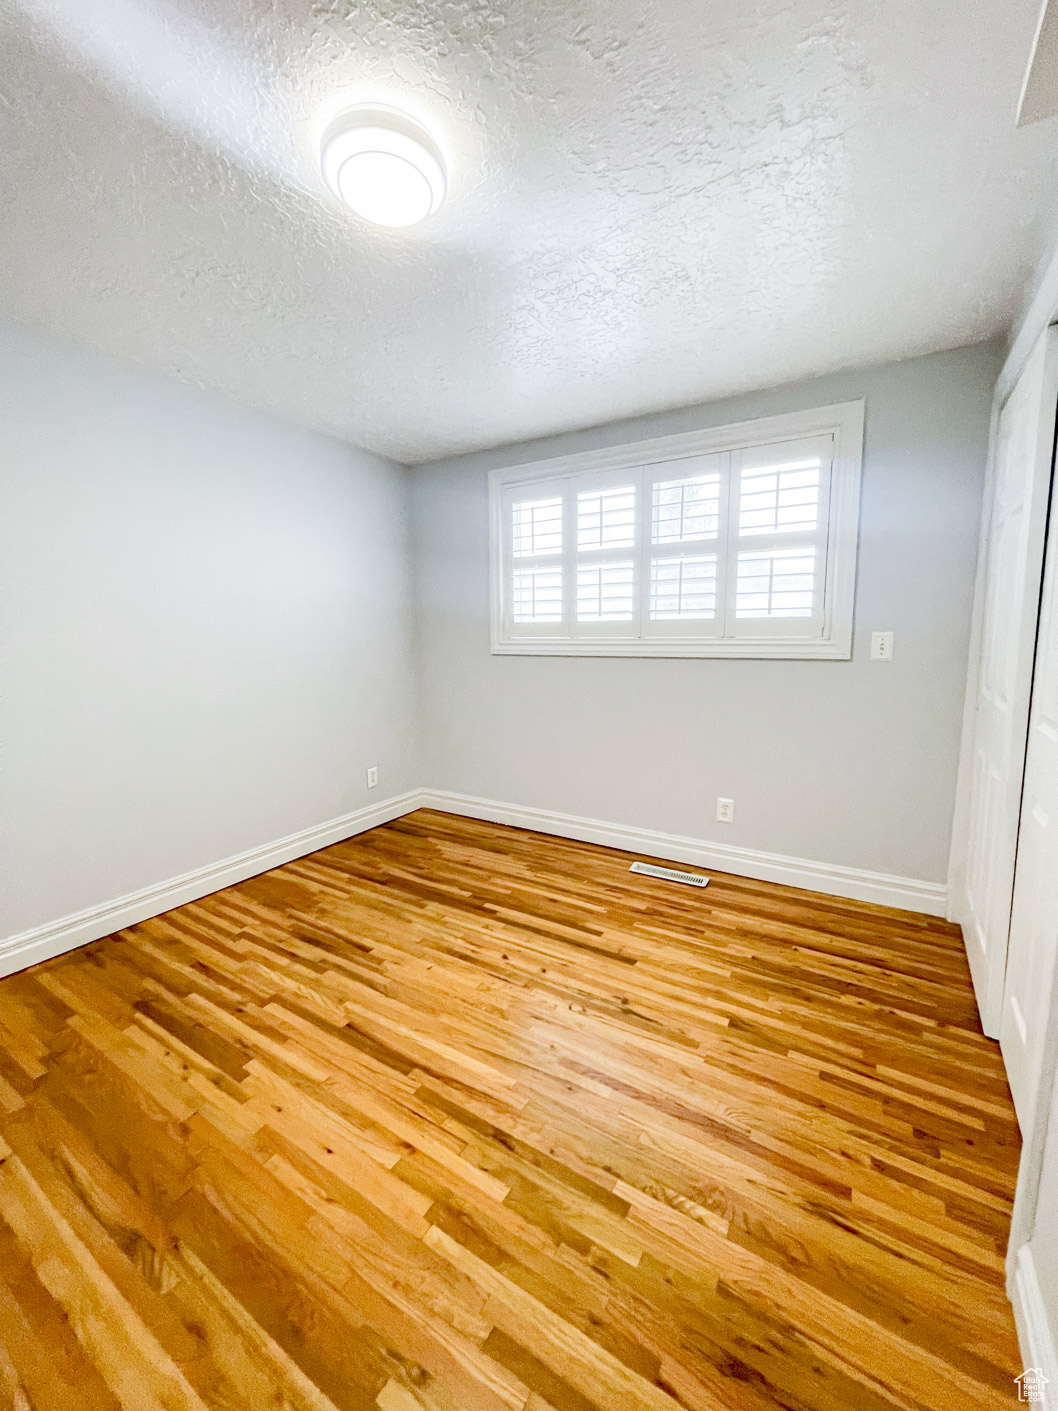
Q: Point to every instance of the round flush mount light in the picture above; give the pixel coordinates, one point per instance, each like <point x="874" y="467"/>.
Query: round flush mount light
<point x="383" y="165"/>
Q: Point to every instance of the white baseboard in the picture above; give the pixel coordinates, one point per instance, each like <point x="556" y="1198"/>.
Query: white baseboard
<point x="55" y="937"/>
<point x="907" y="893"/>
<point x="1030" y="1316"/>
<point x="43" y="942"/>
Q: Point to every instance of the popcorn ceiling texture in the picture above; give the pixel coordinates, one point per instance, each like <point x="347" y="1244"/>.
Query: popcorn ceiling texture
<point x="652" y="202"/>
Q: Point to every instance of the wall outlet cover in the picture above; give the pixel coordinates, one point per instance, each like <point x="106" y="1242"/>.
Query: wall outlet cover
<point x="882" y="646"/>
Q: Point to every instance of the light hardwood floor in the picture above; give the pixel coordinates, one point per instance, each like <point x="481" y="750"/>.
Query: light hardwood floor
<point x="457" y="1116"/>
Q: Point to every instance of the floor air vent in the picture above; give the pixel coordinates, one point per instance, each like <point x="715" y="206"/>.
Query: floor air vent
<point x="693" y="879"/>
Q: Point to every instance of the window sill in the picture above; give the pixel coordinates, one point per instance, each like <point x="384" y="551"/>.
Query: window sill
<point x="787" y="649"/>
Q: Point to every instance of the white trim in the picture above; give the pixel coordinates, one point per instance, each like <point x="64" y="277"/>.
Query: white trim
<point x="958" y="906"/>
<point x="785" y="649"/>
<point x="55" y="937"/>
<point x="1041" y="312"/>
<point x="843" y="420"/>
<point x="1030" y="1317"/>
<point x="907" y="893"/>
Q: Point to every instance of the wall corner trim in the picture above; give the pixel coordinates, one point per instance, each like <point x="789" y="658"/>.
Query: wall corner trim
<point x="43" y="942"/>
<point x="907" y="893"/>
<point x="1030" y="1316"/>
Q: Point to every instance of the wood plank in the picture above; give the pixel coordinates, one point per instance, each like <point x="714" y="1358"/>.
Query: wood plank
<point x="456" y="1117"/>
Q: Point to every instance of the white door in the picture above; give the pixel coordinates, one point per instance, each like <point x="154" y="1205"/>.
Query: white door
<point x="1022" y="466"/>
<point x="1032" y="1260"/>
<point x="1032" y="952"/>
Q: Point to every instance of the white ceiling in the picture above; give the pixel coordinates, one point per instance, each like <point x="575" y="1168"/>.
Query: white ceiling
<point x="652" y="202"/>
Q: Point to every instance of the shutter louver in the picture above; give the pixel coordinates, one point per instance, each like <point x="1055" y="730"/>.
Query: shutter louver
<point x="537" y="576"/>
<point x="780" y="533"/>
<point x="538" y="594"/>
<point x="604" y="592"/>
<point x="776" y="584"/>
<point x="683" y="588"/>
<point x="606" y="574"/>
<point x="537" y="527"/>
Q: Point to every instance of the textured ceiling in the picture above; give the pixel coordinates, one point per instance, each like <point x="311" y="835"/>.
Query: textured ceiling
<point x="652" y="202"/>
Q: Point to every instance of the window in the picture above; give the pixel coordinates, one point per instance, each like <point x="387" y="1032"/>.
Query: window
<point x="737" y="541"/>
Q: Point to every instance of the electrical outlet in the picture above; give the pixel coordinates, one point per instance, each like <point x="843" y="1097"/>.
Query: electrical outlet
<point x="882" y="646"/>
<point x="372" y="776"/>
<point x="725" y="810"/>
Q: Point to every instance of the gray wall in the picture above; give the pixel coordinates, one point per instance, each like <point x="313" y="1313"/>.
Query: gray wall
<point x="205" y="639"/>
<point x="205" y="635"/>
<point x="852" y="763"/>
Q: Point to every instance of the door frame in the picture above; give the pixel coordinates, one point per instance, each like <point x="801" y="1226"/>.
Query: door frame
<point x="989" y="970"/>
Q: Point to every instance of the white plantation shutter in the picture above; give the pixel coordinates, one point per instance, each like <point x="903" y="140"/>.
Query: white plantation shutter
<point x="606" y="591"/>
<point x="777" y="557"/>
<point x="607" y="588"/>
<point x="537" y="594"/>
<point x="687" y="508"/>
<point x="606" y="518"/>
<point x="776" y="583"/>
<point x="537" y="527"/>
<point x="533" y="548"/>
<point x="781" y="497"/>
<point x="743" y="549"/>
<point x="684" y="540"/>
<point x="683" y="588"/>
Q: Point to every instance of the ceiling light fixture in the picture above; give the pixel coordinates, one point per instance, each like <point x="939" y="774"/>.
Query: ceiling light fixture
<point x="383" y="165"/>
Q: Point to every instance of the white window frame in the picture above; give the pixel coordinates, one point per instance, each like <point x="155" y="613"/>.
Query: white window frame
<point x="831" y="635"/>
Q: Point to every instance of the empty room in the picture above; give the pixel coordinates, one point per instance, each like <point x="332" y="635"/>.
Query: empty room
<point x="528" y="705"/>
